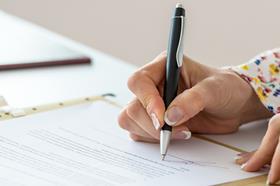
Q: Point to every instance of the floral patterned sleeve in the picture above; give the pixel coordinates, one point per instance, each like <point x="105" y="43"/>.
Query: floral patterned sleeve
<point x="263" y="74"/>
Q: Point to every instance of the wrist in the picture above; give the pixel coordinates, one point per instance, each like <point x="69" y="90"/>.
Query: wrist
<point x="253" y="108"/>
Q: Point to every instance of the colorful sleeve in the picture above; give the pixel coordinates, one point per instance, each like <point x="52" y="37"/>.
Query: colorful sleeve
<point x="263" y="74"/>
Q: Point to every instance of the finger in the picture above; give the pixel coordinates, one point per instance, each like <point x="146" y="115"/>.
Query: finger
<point x="176" y="135"/>
<point x="143" y="84"/>
<point x="186" y="105"/>
<point x="266" y="150"/>
<point x="139" y="115"/>
<point x="243" y="153"/>
<point x="243" y="158"/>
<point x="181" y="132"/>
<point x="126" y="123"/>
<point x="139" y="138"/>
<point x="274" y="173"/>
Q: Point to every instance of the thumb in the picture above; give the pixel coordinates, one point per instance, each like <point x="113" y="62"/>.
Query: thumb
<point x="186" y="105"/>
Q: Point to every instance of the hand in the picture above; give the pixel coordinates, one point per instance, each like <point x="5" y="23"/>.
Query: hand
<point x="268" y="153"/>
<point x="209" y="100"/>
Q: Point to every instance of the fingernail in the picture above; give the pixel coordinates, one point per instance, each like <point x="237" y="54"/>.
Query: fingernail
<point x="267" y="182"/>
<point x="173" y="115"/>
<point x="155" y="121"/>
<point x="188" y="134"/>
<point x="271" y="179"/>
<point x="183" y="135"/>
<point x="242" y="153"/>
<point x="238" y="157"/>
<point x="243" y="166"/>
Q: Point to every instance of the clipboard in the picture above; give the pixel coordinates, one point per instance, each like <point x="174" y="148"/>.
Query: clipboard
<point x="7" y="112"/>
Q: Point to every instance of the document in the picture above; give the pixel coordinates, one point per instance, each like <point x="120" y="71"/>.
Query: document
<point x="84" y="146"/>
<point x="248" y="137"/>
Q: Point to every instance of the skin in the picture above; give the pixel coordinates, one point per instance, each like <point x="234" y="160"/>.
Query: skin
<point x="209" y="101"/>
<point x="267" y="154"/>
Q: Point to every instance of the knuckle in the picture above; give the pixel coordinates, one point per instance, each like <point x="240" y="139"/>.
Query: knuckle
<point x="147" y="99"/>
<point x="163" y="54"/>
<point x="275" y="119"/>
<point x="134" y="137"/>
<point x="274" y="122"/>
<point x="198" y="103"/>
<point x="132" y="81"/>
<point x="133" y="108"/>
<point x="123" y="120"/>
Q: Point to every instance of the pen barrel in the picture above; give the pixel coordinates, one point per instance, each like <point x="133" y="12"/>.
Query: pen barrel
<point x="172" y="67"/>
<point x="172" y="64"/>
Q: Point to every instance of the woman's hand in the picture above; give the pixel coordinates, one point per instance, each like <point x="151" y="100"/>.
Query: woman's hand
<point x="209" y="100"/>
<point x="268" y="153"/>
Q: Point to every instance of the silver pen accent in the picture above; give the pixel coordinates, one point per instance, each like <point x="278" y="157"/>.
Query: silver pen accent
<point x="180" y="52"/>
<point x="165" y="137"/>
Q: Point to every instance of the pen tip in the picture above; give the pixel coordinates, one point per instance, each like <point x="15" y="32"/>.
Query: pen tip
<point x="179" y="5"/>
<point x="162" y="157"/>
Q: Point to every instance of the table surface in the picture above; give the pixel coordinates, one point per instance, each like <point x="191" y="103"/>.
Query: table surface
<point x="51" y="84"/>
<point x="29" y="87"/>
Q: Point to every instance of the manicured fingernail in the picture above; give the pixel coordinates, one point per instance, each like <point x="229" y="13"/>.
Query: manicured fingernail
<point x="242" y="153"/>
<point x="238" y="157"/>
<point x="155" y="121"/>
<point x="243" y="166"/>
<point x="271" y="179"/>
<point x="267" y="182"/>
<point x="183" y="135"/>
<point x="173" y="115"/>
<point x="188" y="134"/>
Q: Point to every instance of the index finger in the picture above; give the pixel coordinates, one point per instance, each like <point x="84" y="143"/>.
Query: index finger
<point x="143" y="83"/>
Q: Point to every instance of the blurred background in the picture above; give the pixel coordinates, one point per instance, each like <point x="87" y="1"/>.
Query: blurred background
<point x="218" y="32"/>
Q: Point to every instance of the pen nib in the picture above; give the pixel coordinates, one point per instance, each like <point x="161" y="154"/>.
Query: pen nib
<point x="162" y="157"/>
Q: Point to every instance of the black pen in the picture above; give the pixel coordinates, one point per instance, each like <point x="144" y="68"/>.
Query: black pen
<point x="173" y="67"/>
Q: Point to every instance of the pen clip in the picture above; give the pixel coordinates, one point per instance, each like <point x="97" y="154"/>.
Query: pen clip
<point x="180" y="53"/>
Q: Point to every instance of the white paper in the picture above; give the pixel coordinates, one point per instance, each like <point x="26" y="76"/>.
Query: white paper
<point x="248" y="137"/>
<point x="83" y="146"/>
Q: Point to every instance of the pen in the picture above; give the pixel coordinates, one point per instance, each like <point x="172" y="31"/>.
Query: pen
<point x="173" y="66"/>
